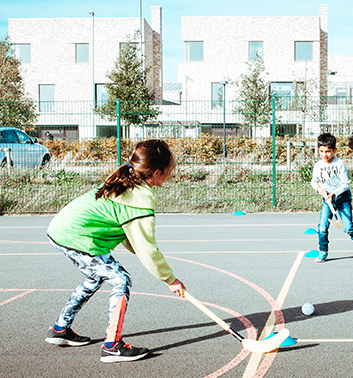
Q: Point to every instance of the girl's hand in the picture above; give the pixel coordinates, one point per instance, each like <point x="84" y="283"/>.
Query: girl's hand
<point x="177" y="287"/>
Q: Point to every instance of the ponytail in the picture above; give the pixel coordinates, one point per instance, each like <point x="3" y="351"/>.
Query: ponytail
<point x="122" y="179"/>
<point x="146" y="158"/>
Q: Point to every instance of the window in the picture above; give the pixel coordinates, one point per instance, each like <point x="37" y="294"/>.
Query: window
<point x="303" y="50"/>
<point x="194" y="51"/>
<point x="216" y="95"/>
<point x="255" y="51"/>
<point x="81" y="52"/>
<point x="283" y="91"/>
<point x="341" y="96"/>
<point x="101" y="94"/>
<point x="23" y="138"/>
<point x="8" y="136"/>
<point x="23" y="52"/>
<point x="46" y="97"/>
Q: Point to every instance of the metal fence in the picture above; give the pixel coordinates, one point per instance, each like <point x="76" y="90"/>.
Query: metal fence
<point x="230" y="156"/>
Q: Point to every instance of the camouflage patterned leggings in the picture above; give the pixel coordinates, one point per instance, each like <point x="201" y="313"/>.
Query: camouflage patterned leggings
<point x="97" y="269"/>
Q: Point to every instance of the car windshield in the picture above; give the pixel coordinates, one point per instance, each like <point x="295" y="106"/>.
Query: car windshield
<point x="23" y="138"/>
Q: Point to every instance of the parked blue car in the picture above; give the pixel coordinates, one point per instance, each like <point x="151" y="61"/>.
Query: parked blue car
<point x="25" y="151"/>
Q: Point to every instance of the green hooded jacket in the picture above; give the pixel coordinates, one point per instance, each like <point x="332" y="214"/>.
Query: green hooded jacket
<point x="96" y="227"/>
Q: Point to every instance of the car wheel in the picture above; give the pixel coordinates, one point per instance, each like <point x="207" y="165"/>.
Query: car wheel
<point x="45" y="161"/>
<point x="4" y="163"/>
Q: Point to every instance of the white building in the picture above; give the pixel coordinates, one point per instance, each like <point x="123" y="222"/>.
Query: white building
<point x="340" y="91"/>
<point x="340" y="76"/>
<point x="217" y="48"/>
<point x="293" y="49"/>
<point x="65" y="61"/>
<point x="58" y="70"/>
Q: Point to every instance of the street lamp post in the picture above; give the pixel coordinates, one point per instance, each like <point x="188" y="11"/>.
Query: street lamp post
<point x="140" y="4"/>
<point x="93" y="86"/>
<point x="224" y="83"/>
<point x="92" y="14"/>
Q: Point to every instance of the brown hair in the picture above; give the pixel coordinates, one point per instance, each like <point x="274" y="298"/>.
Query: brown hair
<point x="326" y="140"/>
<point x="147" y="157"/>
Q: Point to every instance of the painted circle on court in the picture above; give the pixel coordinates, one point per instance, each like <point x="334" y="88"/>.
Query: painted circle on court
<point x="247" y="324"/>
<point x="269" y="358"/>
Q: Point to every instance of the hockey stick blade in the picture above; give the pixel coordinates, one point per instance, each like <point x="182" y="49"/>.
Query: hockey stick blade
<point x="336" y="222"/>
<point x="255" y="346"/>
<point x="268" y="345"/>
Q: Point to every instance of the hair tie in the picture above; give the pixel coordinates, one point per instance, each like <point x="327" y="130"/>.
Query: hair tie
<point x="128" y="165"/>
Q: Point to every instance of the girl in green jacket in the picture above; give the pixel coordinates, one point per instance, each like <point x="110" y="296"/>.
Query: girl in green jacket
<point x="91" y="226"/>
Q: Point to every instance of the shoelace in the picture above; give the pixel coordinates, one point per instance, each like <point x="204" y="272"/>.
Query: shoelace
<point x="128" y="346"/>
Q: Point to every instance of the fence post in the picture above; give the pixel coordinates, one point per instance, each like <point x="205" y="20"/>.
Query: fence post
<point x="316" y="151"/>
<point x="288" y="155"/>
<point x="8" y="158"/>
<point x="273" y="151"/>
<point x="118" y="131"/>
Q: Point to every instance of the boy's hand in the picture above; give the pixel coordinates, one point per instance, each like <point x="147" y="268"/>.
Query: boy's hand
<point x="329" y="197"/>
<point x="322" y="192"/>
<point x="177" y="287"/>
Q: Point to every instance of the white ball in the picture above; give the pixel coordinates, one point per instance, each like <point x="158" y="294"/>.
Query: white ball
<point x="308" y="309"/>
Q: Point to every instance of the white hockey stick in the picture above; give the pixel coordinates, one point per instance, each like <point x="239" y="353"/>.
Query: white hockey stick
<point x="255" y="346"/>
<point x="336" y="221"/>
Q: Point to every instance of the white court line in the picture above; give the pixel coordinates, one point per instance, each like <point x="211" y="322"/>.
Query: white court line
<point x="197" y="240"/>
<point x="255" y="359"/>
<point x="244" y="240"/>
<point x="172" y="252"/>
<point x="325" y="340"/>
<point x="200" y="225"/>
<point x="30" y="254"/>
<point x="23" y="227"/>
<point x="21" y="242"/>
<point x="239" y="225"/>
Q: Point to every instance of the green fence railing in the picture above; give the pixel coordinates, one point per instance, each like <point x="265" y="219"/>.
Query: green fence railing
<point x="270" y="152"/>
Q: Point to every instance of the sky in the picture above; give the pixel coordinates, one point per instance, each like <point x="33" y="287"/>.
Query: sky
<point x="340" y="17"/>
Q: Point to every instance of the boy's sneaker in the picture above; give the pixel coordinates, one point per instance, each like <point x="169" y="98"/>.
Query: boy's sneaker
<point x="66" y="337"/>
<point x="322" y="256"/>
<point x="122" y="352"/>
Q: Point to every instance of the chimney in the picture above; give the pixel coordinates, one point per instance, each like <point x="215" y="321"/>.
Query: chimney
<point x="156" y="19"/>
<point x="323" y="14"/>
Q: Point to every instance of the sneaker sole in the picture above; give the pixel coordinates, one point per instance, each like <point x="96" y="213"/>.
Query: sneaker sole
<point x="112" y="358"/>
<point x="320" y="261"/>
<point x="58" y="341"/>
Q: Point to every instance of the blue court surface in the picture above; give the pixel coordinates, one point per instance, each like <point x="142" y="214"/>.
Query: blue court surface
<point x="250" y="270"/>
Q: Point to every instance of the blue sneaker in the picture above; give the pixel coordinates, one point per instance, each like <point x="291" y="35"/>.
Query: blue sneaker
<point x="322" y="256"/>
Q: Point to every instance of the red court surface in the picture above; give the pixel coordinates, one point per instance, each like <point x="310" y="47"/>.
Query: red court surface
<point x="241" y="267"/>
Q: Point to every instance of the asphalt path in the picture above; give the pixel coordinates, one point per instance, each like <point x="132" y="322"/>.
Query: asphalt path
<point x="242" y="267"/>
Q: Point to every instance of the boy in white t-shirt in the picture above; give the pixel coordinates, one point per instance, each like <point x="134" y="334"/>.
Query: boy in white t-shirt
<point x="332" y="173"/>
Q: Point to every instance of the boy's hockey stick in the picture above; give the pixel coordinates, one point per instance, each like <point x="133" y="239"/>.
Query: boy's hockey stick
<point x="255" y="346"/>
<point x="336" y="221"/>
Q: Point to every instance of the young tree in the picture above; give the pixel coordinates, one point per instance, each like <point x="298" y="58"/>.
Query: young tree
<point x="16" y="107"/>
<point x="128" y="83"/>
<point x="307" y="102"/>
<point x="254" y="98"/>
